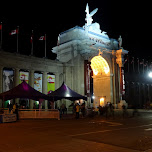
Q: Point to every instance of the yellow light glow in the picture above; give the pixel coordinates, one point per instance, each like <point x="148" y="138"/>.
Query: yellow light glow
<point x="102" y="100"/>
<point x="95" y="71"/>
<point x="99" y="65"/>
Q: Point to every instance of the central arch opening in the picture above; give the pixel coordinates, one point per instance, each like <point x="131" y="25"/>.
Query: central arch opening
<point x="100" y="66"/>
<point x="101" y="81"/>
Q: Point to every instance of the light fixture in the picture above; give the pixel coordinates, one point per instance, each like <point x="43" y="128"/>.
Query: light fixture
<point x="102" y="101"/>
<point x="99" y="65"/>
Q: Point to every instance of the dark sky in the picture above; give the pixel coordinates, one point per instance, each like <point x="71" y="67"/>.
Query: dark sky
<point x="126" y="18"/>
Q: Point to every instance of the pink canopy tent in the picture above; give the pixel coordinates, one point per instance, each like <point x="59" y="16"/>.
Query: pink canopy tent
<point x="23" y="90"/>
<point x="64" y="92"/>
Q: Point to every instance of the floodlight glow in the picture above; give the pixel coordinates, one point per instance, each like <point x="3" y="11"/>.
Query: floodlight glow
<point x="150" y="74"/>
<point x="93" y="97"/>
<point x="102" y="100"/>
<point x="67" y="95"/>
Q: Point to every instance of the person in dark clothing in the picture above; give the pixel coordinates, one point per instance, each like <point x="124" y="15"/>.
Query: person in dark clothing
<point x="16" y="111"/>
<point x="111" y="107"/>
<point x="135" y="110"/>
<point x="83" y="109"/>
<point x="124" y="113"/>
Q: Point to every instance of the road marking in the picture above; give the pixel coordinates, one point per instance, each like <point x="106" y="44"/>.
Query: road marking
<point x="102" y="131"/>
<point x="148" y="129"/>
<point x="94" y="132"/>
<point x="108" y="122"/>
<point x="112" y="123"/>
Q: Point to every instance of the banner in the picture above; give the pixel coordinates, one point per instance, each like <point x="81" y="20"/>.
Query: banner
<point x="38" y="82"/>
<point x="8" y="78"/>
<point x="24" y="76"/>
<point x="50" y="83"/>
<point x="87" y="77"/>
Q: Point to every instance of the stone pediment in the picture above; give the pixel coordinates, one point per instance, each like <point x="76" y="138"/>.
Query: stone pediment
<point x="82" y="40"/>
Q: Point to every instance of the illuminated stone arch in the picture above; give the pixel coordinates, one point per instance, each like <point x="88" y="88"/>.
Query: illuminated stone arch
<point x="100" y="66"/>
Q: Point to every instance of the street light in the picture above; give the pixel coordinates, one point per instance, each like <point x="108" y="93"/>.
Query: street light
<point x="150" y="74"/>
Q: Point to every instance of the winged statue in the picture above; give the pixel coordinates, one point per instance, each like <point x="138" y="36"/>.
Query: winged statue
<point x="89" y="15"/>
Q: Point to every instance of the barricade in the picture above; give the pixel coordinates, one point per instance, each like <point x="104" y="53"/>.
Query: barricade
<point x="39" y="113"/>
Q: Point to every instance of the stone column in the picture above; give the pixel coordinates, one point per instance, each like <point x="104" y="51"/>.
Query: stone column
<point x="57" y="85"/>
<point x="1" y="79"/>
<point x="44" y="86"/>
<point x="16" y="79"/>
<point x="113" y="78"/>
<point x="31" y="83"/>
<point x="1" y="83"/>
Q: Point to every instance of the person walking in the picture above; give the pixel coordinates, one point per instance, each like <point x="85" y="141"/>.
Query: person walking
<point x="77" y="111"/>
<point x="14" y="108"/>
<point x="83" y="109"/>
<point x="124" y="111"/>
<point x="111" y="107"/>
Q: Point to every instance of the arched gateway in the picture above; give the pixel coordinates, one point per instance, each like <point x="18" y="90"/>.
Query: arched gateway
<point x="80" y="50"/>
<point x="78" y="47"/>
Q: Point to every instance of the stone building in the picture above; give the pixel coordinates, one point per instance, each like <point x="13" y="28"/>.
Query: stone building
<point x="75" y="50"/>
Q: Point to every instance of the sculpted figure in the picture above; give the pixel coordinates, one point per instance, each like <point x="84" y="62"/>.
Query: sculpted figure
<point x="89" y="15"/>
<point x="120" y="41"/>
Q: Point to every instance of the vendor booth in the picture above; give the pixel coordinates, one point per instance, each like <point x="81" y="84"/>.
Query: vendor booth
<point x="24" y="90"/>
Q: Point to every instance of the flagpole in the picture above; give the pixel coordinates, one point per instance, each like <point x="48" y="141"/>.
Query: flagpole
<point x="133" y="66"/>
<point x="17" y="37"/>
<point x="138" y="64"/>
<point x="128" y="64"/>
<point x="143" y="65"/>
<point x="45" y="46"/>
<point x="1" y="36"/>
<point x="32" y="43"/>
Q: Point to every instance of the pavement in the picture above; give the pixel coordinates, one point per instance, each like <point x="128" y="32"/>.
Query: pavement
<point x="95" y="134"/>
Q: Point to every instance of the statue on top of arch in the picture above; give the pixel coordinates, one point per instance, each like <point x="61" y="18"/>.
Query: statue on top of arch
<point x="89" y="26"/>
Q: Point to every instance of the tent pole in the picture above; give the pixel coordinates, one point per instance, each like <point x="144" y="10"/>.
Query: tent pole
<point x="3" y="104"/>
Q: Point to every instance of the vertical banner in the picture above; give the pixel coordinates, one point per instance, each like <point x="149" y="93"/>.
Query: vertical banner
<point x="87" y="78"/>
<point x="24" y="76"/>
<point x="123" y="82"/>
<point x="50" y="83"/>
<point x="8" y="78"/>
<point x="38" y="82"/>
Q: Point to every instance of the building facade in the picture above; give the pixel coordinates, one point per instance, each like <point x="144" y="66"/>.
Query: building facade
<point x="75" y="50"/>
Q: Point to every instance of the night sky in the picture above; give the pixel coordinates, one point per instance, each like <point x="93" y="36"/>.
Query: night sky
<point x="126" y="18"/>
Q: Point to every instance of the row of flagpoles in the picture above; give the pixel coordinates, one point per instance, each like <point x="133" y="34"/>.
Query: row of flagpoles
<point x="16" y="32"/>
<point x="137" y="65"/>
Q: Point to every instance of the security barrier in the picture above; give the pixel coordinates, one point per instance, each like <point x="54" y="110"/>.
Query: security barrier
<point x="39" y="113"/>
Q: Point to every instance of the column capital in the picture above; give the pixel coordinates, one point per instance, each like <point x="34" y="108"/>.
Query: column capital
<point x="120" y="57"/>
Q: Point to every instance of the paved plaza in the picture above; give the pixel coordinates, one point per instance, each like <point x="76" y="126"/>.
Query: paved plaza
<point x="85" y="134"/>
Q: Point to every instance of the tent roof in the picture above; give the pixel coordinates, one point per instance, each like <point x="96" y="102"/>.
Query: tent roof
<point x="23" y="90"/>
<point x="65" y="92"/>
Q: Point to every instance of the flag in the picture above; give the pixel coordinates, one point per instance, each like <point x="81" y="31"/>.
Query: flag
<point x="13" y="32"/>
<point x="132" y="60"/>
<point x="126" y="60"/>
<point x="42" y="38"/>
<point x="31" y="40"/>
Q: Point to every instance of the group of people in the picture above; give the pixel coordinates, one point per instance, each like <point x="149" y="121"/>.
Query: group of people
<point x="77" y="107"/>
<point x="108" y="109"/>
